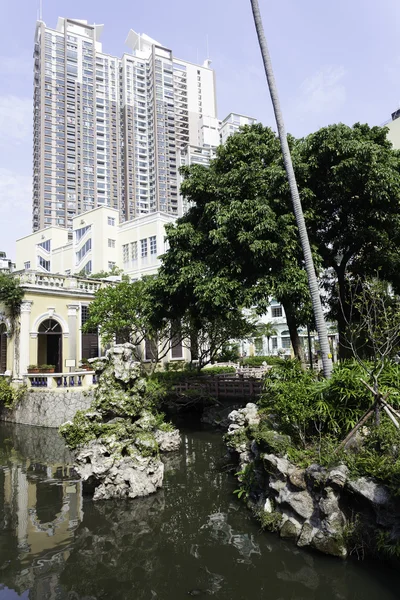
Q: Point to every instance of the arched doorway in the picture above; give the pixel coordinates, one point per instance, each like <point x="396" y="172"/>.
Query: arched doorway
<point x="50" y="344"/>
<point x="3" y="348"/>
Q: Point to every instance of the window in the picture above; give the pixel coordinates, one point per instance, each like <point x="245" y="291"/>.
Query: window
<point x="111" y="265"/>
<point x="79" y="233"/>
<point x="88" y="267"/>
<point x="45" y="245"/>
<point x="27" y="265"/>
<point x="111" y="221"/>
<point x="45" y="264"/>
<point x="134" y="250"/>
<point x="111" y="243"/>
<point x="143" y="248"/>
<point x="274" y="343"/>
<point x="87" y="246"/>
<point x="125" y="253"/>
<point x="276" y="311"/>
<point x="150" y="350"/>
<point x="153" y="244"/>
<point x="285" y="342"/>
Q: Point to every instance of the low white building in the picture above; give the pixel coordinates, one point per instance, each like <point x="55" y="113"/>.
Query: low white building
<point x="97" y="243"/>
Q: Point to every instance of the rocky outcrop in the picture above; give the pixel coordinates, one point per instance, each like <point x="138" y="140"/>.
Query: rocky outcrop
<point x="314" y="507"/>
<point x="119" y="439"/>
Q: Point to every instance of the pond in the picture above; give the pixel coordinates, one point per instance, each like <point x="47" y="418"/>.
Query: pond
<point x="192" y="538"/>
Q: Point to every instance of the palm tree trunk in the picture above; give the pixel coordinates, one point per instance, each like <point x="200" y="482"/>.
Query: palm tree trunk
<point x="298" y="211"/>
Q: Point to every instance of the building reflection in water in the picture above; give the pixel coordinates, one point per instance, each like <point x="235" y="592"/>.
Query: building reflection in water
<point x="40" y="508"/>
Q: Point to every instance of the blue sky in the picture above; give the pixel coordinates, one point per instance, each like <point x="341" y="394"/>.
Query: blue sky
<point x="333" y="61"/>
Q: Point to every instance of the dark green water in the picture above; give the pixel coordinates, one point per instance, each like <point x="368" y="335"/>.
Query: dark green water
<point x="191" y="539"/>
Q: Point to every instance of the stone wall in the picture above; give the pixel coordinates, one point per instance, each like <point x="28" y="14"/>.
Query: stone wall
<point x="48" y="408"/>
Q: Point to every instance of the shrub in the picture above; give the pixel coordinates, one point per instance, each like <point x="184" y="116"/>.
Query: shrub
<point x="217" y="370"/>
<point x="10" y="395"/>
<point x="257" y="361"/>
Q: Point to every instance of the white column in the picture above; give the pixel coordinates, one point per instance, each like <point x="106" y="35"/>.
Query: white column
<point x="21" y="365"/>
<point x="73" y="327"/>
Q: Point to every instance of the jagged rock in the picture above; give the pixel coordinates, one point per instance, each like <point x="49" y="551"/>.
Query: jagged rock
<point x="123" y="361"/>
<point x="276" y="484"/>
<point x="337" y="476"/>
<point x="268" y="506"/>
<point x="168" y="441"/>
<point x="297" y="479"/>
<point x="370" y="490"/>
<point x="290" y="529"/>
<point x="118" y="439"/>
<point x="329" y="503"/>
<point x="276" y="464"/>
<point x="251" y="413"/>
<point x="118" y="476"/>
<point x="300" y="502"/>
<point x="316" y="475"/>
<point x="306" y="535"/>
<point x="237" y="417"/>
<point x="328" y="544"/>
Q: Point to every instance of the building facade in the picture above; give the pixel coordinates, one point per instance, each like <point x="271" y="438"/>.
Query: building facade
<point x="107" y="130"/>
<point x="98" y="243"/>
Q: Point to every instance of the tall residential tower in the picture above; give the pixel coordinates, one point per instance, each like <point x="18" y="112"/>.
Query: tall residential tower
<point x="108" y="131"/>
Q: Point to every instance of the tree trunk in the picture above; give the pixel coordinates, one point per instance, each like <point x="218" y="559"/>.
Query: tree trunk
<point x="294" y="336"/>
<point x="298" y="211"/>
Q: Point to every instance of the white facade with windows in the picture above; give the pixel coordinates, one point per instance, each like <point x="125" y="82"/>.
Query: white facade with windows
<point x="232" y="123"/>
<point x="98" y="242"/>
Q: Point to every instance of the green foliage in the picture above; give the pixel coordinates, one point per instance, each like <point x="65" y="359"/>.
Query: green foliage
<point x="10" y="395"/>
<point x="228" y="353"/>
<point x="217" y="370"/>
<point x="11" y="295"/>
<point x="270" y="521"/>
<point x="318" y="414"/>
<point x="386" y="545"/>
<point x="246" y="479"/>
<point x="257" y="361"/>
<point x="268" y="440"/>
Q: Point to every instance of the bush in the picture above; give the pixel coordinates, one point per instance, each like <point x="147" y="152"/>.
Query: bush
<point x="228" y="353"/>
<point x="318" y="414"/>
<point x="217" y="370"/>
<point x="10" y="395"/>
<point x="257" y="361"/>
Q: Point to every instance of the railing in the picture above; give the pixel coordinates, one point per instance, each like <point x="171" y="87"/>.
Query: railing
<point x="79" y="379"/>
<point x="65" y="282"/>
<point x="222" y="386"/>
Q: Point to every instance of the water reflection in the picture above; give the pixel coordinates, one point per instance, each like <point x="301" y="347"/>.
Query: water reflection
<point x="192" y="538"/>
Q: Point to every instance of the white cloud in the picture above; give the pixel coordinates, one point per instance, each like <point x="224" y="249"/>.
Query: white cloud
<point x="15" y="208"/>
<point x="15" y="120"/>
<point x="323" y="93"/>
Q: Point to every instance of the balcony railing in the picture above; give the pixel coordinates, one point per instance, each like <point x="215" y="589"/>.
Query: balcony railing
<point x="79" y="379"/>
<point x="30" y="279"/>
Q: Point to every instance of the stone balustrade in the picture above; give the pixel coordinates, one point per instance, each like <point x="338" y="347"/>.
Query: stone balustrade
<point x="78" y="379"/>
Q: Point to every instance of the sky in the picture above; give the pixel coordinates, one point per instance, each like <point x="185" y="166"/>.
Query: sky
<point x="333" y="62"/>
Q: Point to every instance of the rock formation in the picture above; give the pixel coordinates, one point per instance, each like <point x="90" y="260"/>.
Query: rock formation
<point x="315" y="506"/>
<point x="119" y="439"/>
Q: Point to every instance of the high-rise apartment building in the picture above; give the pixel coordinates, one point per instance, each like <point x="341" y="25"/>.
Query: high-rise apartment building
<point x="108" y="131"/>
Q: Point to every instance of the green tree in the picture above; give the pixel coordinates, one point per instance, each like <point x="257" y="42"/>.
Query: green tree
<point x="123" y="312"/>
<point x="298" y="211"/>
<point x="351" y="187"/>
<point x="238" y="245"/>
<point x="11" y="295"/>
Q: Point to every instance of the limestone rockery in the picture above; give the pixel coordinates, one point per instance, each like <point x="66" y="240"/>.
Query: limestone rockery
<point x="118" y="441"/>
<point x="315" y="507"/>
